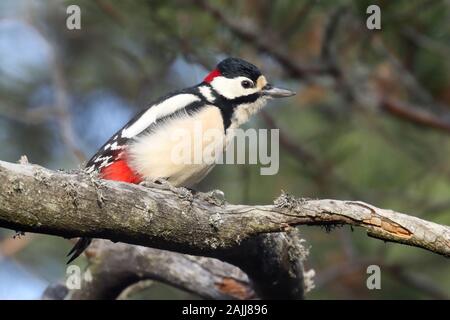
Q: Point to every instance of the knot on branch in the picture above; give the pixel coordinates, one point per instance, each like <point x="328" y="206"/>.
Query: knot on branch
<point x="214" y="197"/>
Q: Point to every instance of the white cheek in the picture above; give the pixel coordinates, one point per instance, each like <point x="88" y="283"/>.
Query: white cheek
<point x="231" y="88"/>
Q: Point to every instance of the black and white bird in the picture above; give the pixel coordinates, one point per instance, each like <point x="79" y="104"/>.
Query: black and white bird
<point x="142" y="150"/>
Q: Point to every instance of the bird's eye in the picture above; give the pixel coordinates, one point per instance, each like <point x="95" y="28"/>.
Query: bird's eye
<point x="246" y="84"/>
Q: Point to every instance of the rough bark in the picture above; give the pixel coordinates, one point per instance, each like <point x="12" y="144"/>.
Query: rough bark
<point x="116" y="266"/>
<point x="35" y="199"/>
<point x="273" y="262"/>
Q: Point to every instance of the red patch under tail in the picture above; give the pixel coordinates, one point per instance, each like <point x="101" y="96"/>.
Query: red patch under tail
<point x="120" y="171"/>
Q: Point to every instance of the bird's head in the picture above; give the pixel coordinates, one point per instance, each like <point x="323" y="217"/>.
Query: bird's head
<point x="242" y="88"/>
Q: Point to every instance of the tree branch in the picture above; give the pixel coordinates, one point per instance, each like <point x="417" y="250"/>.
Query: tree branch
<point x="416" y="115"/>
<point x="36" y="199"/>
<point x="116" y="266"/>
<point x="272" y="263"/>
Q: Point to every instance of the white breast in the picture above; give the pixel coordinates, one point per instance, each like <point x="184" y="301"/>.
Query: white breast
<point x="152" y="154"/>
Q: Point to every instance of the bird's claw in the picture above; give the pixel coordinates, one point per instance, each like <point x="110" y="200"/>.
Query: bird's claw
<point x="159" y="183"/>
<point x="154" y="183"/>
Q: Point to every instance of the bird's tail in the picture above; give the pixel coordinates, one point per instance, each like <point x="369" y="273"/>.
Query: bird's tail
<point x="78" y="248"/>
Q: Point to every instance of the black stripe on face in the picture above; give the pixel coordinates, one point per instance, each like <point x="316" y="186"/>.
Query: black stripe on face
<point x="227" y="106"/>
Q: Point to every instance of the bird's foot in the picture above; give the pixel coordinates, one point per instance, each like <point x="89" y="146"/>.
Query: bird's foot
<point x="18" y="234"/>
<point x="159" y="183"/>
<point x="155" y="183"/>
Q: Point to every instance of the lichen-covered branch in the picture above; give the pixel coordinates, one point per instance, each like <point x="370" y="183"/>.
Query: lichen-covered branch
<point x="273" y="262"/>
<point x="273" y="266"/>
<point x="116" y="266"/>
<point x="35" y="199"/>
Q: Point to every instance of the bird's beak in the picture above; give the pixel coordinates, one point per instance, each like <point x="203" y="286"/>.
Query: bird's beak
<point x="274" y="92"/>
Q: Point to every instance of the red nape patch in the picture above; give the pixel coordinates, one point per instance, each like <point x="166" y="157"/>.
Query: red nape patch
<point x="212" y="75"/>
<point x="120" y="171"/>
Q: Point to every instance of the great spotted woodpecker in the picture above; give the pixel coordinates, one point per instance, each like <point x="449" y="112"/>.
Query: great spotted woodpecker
<point x="228" y="96"/>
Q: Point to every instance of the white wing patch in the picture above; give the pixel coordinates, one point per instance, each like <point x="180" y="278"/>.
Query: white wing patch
<point x="115" y="146"/>
<point x="158" y="111"/>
